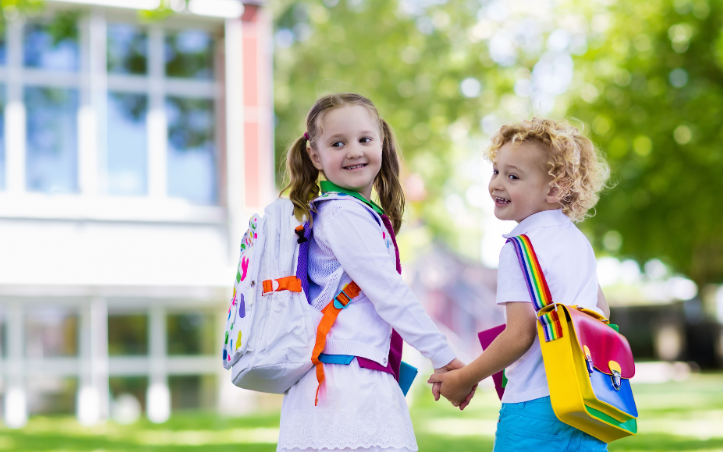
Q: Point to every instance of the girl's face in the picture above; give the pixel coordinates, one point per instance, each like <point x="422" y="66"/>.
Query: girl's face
<point x="349" y="152"/>
<point x="520" y="186"/>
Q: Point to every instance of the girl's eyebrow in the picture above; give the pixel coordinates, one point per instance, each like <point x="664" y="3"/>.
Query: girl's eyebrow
<point x="343" y="135"/>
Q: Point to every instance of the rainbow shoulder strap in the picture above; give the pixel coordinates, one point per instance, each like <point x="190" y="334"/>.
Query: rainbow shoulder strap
<point x="537" y="287"/>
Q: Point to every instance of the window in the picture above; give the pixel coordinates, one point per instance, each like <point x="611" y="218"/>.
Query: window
<point x="50" y="51"/>
<point x="127" y="144"/>
<point x="191" y="334"/>
<point x="51" y="333"/>
<point x="2" y="135"/>
<point x="51" y="394"/>
<point x="156" y="119"/>
<point x="127" y="335"/>
<point x="192" y="156"/>
<point x="191" y="150"/>
<point x="52" y="47"/>
<point x="181" y="89"/>
<point x="192" y="392"/>
<point x="189" y="54"/>
<point x="52" y="141"/>
<point x="127" y="50"/>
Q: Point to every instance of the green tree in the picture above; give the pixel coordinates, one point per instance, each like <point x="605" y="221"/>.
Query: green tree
<point x="652" y="87"/>
<point x="427" y="71"/>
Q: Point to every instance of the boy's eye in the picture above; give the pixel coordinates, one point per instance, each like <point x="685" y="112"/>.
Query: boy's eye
<point x="513" y="177"/>
<point x="495" y="172"/>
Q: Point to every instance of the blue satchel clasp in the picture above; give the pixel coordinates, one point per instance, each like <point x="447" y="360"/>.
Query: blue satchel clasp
<point x="588" y="359"/>
<point x="616" y="375"/>
<point x="617" y="380"/>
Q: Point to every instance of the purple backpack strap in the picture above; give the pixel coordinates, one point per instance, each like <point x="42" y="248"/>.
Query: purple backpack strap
<point x="397" y="344"/>
<point x="302" y="266"/>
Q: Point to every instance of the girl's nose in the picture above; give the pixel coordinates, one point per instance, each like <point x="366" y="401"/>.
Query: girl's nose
<point x="354" y="151"/>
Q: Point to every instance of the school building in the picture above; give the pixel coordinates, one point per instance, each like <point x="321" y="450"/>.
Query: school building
<point x="132" y="153"/>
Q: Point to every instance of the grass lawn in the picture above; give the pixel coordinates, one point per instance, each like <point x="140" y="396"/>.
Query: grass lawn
<point x="685" y="416"/>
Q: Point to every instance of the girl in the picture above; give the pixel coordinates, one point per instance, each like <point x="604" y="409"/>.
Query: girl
<point x="546" y="176"/>
<point x="360" y="405"/>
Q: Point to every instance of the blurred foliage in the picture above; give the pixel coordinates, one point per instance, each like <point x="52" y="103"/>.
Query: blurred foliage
<point x="651" y="86"/>
<point x="410" y="65"/>
<point x="12" y="9"/>
<point x="647" y="86"/>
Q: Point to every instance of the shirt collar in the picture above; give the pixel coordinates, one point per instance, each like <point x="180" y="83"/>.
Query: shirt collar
<point x="328" y="186"/>
<point x="538" y="220"/>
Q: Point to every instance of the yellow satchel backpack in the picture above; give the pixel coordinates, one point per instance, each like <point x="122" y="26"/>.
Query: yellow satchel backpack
<point x="587" y="361"/>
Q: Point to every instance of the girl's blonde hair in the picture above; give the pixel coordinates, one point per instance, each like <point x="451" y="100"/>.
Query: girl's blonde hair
<point x="577" y="168"/>
<point x="303" y="176"/>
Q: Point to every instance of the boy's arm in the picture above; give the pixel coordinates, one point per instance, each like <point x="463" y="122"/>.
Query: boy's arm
<point x="507" y="348"/>
<point x="602" y="303"/>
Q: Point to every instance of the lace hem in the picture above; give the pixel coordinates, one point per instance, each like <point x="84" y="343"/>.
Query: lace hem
<point x="358" y="409"/>
<point x="373" y="449"/>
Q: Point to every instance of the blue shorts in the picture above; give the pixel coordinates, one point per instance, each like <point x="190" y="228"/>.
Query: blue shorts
<point x="532" y="425"/>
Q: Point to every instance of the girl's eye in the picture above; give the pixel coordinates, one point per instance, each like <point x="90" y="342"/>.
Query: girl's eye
<point x="365" y="140"/>
<point x="495" y="172"/>
<point x="337" y="144"/>
<point x="513" y="177"/>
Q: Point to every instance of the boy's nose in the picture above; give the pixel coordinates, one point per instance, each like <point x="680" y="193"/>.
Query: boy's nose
<point x="495" y="185"/>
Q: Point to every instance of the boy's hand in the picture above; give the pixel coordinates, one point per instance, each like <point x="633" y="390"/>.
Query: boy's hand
<point x="454" y="388"/>
<point x="453" y="365"/>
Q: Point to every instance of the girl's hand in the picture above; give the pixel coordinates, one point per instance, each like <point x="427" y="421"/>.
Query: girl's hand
<point x="454" y="387"/>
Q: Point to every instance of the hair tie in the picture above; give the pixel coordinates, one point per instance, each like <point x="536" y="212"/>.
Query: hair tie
<point x="306" y="136"/>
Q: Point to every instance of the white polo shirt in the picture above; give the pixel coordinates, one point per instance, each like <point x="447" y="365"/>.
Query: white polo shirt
<point x="569" y="265"/>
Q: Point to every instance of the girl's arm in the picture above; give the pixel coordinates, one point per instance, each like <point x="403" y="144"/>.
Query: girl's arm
<point x="508" y="347"/>
<point x="354" y="237"/>
<point x="602" y="303"/>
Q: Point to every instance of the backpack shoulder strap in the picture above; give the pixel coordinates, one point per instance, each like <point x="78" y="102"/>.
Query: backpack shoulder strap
<point x="537" y="287"/>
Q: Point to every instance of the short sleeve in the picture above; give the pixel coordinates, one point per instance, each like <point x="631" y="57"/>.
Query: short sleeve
<point x="511" y="284"/>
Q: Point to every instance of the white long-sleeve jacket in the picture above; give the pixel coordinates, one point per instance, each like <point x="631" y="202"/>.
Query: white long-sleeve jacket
<point x="349" y="243"/>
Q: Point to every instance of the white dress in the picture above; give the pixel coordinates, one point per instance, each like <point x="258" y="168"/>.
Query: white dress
<point x="359" y="409"/>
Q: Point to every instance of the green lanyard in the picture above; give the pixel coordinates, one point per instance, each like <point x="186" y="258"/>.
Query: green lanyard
<point x="328" y="186"/>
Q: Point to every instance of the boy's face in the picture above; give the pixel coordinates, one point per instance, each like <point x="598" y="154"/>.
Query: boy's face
<point x="520" y="185"/>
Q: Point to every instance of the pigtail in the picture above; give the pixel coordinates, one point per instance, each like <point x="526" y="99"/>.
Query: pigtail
<point x="387" y="184"/>
<point x="303" y="176"/>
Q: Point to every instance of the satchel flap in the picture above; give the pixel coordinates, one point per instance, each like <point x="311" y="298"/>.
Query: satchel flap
<point x="605" y="345"/>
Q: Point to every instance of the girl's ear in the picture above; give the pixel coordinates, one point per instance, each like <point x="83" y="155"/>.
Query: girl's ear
<point x="314" y="156"/>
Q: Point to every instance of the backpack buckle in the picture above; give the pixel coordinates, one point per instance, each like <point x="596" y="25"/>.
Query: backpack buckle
<point x="299" y="230"/>
<point x="342" y="300"/>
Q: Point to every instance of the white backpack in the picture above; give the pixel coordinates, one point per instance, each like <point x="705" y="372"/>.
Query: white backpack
<point x="271" y="328"/>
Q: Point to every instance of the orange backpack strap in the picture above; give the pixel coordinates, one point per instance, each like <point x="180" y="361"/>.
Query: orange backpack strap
<point x="331" y="311"/>
<point x="290" y="283"/>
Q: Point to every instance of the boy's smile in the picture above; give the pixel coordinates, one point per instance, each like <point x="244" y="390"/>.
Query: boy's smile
<point x="520" y="185"/>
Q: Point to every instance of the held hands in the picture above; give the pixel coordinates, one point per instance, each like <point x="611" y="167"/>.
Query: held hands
<point x="447" y="381"/>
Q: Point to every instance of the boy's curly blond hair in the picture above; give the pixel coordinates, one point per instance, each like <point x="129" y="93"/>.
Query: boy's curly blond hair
<point x="577" y="168"/>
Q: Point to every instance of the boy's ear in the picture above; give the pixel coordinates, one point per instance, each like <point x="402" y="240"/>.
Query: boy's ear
<point x="555" y="195"/>
<point x="314" y="156"/>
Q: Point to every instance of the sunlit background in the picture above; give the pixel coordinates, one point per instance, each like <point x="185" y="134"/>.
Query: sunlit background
<point x="138" y="136"/>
